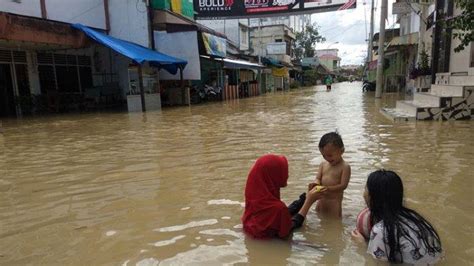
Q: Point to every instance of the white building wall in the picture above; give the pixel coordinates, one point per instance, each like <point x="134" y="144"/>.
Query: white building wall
<point x="296" y="23"/>
<point x="87" y="12"/>
<point x="129" y="21"/>
<point x="30" y="8"/>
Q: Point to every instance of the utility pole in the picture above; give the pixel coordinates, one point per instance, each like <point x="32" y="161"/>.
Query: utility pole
<point x="259" y="55"/>
<point x="379" y="82"/>
<point x="371" y="34"/>
<point x="422" y="30"/>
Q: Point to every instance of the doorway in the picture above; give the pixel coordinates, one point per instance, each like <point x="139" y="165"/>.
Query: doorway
<point x="7" y="96"/>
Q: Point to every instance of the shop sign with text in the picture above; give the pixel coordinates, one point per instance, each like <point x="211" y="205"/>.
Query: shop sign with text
<point x="260" y="8"/>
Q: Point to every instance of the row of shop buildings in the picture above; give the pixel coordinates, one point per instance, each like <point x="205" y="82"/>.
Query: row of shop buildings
<point x="128" y="53"/>
<point x="422" y="35"/>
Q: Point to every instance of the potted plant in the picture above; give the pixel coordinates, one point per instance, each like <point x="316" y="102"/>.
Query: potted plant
<point x="421" y="73"/>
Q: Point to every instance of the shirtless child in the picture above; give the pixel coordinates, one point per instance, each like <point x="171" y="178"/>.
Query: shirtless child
<point x="334" y="174"/>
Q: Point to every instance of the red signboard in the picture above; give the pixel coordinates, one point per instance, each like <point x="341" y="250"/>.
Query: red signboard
<point x="263" y="8"/>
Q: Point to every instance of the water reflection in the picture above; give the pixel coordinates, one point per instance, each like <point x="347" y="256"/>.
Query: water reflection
<point x="167" y="187"/>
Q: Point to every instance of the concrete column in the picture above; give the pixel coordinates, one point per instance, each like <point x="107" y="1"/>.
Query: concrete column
<point x="33" y="74"/>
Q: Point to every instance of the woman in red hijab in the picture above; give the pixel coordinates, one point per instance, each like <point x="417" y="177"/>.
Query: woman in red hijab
<point x="265" y="214"/>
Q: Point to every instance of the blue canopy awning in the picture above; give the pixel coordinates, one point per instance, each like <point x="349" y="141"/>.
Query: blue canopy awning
<point x="136" y="52"/>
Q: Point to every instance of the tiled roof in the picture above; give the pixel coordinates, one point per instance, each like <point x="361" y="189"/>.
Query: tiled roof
<point x="329" y="56"/>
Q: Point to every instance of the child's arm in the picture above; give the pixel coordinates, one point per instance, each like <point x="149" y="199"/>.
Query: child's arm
<point x="345" y="176"/>
<point x="319" y="176"/>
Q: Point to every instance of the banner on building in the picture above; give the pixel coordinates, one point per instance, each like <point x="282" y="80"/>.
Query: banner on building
<point x="215" y="46"/>
<point x="264" y="8"/>
<point x="280" y="72"/>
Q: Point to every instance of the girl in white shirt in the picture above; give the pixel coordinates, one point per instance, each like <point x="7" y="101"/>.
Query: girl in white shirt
<point x="399" y="234"/>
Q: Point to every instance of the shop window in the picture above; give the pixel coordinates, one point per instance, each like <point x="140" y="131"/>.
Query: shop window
<point x="5" y="56"/>
<point x="68" y="80"/>
<point x="19" y="56"/>
<point x="73" y="73"/>
<point x="46" y="77"/>
<point x="85" y="74"/>
<point x="44" y="58"/>
<point x="22" y="79"/>
<point x="244" y="36"/>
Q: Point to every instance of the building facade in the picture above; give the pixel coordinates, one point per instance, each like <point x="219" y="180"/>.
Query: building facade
<point x="329" y="58"/>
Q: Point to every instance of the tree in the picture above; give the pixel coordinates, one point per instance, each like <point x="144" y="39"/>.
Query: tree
<point x="463" y="24"/>
<point x="305" y="41"/>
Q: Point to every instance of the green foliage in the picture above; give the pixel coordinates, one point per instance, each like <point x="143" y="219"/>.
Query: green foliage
<point x="342" y="79"/>
<point x="423" y="67"/>
<point x="310" y="77"/>
<point x="306" y="40"/>
<point x="463" y="24"/>
<point x="294" y="85"/>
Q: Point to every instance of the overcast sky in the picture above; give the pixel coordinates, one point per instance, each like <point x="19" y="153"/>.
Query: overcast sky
<point x="346" y="30"/>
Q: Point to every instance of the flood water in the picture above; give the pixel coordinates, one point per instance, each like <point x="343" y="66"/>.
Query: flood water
<point x="167" y="187"/>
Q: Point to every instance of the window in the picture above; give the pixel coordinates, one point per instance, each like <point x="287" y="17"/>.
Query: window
<point x="244" y="40"/>
<point x="68" y="80"/>
<point x="64" y="73"/>
<point x="46" y="77"/>
<point x="278" y="40"/>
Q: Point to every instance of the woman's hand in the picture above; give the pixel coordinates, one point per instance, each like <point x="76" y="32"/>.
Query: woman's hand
<point x="311" y="185"/>
<point x="357" y="236"/>
<point x="314" y="194"/>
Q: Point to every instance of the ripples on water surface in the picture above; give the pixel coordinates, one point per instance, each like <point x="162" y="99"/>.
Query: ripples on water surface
<point x="167" y="187"/>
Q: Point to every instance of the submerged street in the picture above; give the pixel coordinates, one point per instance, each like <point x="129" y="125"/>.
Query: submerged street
<point x="167" y="187"/>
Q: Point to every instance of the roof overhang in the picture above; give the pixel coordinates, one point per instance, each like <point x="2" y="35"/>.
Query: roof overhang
<point x="173" y="22"/>
<point x="35" y="33"/>
<point x="139" y="54"/>
<point x="235" y="63"/>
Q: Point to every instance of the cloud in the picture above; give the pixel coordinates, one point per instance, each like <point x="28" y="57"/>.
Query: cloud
<point x="350" y="29"/>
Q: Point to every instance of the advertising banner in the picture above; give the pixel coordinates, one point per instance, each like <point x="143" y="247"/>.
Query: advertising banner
<point x="263" y="8"/>
<point x="215" y="46"/>
<point x="280" y="72"/>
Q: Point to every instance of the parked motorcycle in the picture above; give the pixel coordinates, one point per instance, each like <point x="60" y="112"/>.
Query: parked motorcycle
<point x="213" y="93"/>
<point x="205" y="93"/>
<point x="368" y="86"/>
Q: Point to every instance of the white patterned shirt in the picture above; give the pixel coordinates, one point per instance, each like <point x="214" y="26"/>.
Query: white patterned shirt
<point x="411" y="254"/>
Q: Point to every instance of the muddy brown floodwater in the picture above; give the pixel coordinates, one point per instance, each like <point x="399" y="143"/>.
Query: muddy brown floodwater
<point x="167" y="187"/>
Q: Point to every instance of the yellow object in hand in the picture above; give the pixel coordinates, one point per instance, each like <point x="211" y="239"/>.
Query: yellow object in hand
<point x="319" y="188"/>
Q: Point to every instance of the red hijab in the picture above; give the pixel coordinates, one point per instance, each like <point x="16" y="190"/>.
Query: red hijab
<point x="265" y="214"/>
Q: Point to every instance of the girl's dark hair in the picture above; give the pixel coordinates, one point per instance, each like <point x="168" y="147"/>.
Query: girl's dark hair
<point x="386" y="204"/>
<point x="331" y="138"/>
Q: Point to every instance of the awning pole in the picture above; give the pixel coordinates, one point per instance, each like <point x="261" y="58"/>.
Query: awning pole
<point x="140" y="84"/>
<point x="183" y="98"/>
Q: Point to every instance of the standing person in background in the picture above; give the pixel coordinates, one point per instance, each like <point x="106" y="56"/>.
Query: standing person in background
<point x="328" y="81"/>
